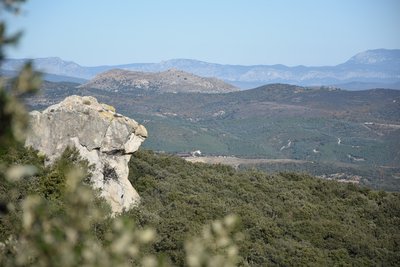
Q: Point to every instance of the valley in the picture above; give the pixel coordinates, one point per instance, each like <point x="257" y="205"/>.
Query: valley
<point x="324" y="130"/>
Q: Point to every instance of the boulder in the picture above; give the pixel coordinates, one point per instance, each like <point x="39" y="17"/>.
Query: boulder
<point x="102" y="136"/>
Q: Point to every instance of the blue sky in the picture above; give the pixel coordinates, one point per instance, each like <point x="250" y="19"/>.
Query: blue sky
<point x="247" y="32"/>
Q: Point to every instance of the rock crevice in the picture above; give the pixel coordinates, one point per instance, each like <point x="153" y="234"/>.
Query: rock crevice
<point x="103" y="137"/>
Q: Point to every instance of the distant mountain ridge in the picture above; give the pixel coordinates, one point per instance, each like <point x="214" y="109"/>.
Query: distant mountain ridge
<point x="172" y="81"/>
<point x="380" y="57"/>
<point x="47" y="77"/>
<point x="380" y="67"/>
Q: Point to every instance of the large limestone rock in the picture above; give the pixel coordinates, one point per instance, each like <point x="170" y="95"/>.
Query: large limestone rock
<point x="102" y="136"/>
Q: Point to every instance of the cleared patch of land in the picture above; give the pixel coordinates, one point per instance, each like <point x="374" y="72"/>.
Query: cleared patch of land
<point x="235" y="161"/>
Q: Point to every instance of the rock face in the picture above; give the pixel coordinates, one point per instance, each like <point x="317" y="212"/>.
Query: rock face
<point x="102" y="136"/>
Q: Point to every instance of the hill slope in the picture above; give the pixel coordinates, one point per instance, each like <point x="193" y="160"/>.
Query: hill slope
<point x="286" y="219"/>
<point x="335" y="132"/>
<point x="171" y="80"/>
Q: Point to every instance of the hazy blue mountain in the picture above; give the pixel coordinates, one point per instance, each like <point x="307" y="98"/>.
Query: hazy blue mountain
<point x="383" y="59"/>
<point x="378" y="67"/>
<point x="47" y="77"/>
<point x="57" y="66"/>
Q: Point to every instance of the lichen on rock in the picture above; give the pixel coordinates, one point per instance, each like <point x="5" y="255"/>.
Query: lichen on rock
<point x="102" y="136"/>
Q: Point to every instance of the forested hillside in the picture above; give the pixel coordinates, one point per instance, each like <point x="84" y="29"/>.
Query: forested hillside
<point x="287" y="219"/>
<point x="284" y="219"/>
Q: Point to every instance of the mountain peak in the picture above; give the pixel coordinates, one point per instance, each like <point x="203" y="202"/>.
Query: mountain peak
<point x="376" y="56"/>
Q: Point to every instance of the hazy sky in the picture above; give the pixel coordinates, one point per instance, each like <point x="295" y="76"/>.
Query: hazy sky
<point x="297" y="32"/>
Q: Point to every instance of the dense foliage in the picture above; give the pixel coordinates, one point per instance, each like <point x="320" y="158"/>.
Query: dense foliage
<point x="287" y="219"/>
<point x="54" y="218"/>
<point x="51" y="217"/>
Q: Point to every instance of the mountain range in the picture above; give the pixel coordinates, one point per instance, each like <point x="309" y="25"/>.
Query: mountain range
<point x="378" y="68"/>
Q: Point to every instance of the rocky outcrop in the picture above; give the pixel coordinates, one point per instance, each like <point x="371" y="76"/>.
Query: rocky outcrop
<point x="102" y="136"/>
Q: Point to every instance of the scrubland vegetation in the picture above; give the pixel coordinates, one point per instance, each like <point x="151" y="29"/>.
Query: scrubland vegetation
<point x="281" y="219"/>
